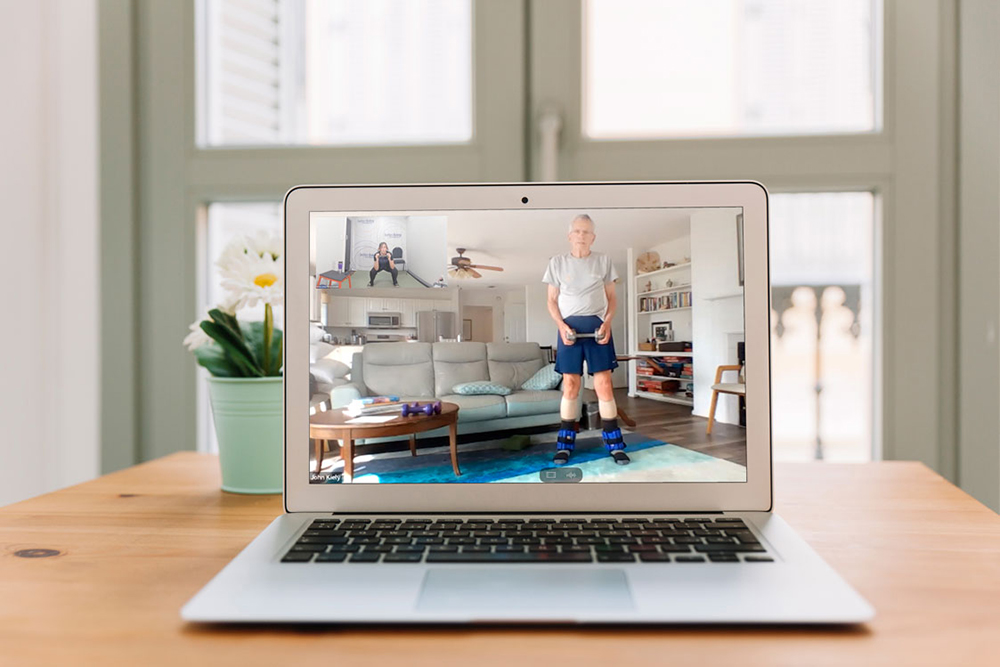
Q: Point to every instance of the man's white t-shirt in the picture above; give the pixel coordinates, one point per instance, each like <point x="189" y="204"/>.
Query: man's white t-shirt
<point x="581" y="282"/>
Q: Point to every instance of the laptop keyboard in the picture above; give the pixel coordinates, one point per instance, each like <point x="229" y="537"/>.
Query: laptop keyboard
<point x="527" y="540"/>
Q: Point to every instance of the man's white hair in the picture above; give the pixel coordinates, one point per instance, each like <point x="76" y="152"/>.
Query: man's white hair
<point x="584" y="216"/>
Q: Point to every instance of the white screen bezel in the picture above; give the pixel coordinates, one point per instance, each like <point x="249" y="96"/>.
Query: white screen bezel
<point x="752" y="495"/>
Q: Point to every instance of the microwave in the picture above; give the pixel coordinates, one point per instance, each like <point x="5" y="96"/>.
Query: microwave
<point x="384" y="320"/>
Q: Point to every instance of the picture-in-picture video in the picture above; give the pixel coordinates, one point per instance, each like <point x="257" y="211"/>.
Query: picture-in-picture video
<point x="543" y="346"/>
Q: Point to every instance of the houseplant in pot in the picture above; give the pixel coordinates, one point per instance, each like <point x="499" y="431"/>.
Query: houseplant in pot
<point x="244" y="360"/>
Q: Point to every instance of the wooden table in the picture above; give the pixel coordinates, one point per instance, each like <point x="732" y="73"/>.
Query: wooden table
<point x="134" y="546"/>
<point x="333" y="425"/>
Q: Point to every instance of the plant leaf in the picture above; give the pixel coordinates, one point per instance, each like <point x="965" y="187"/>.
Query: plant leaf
<point x="230" y="322"/>
<point x="224" y="318"/>
<point x="253" y="332"/>
<point x="234" y="347"/>
<point x="215" y="360"/>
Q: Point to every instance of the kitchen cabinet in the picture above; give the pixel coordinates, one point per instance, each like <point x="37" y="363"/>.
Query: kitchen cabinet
<point x="346" y="312"/>
<point x="408" y="312"/>
<point x="385" y="305"/>
<point x="358" y="311"/>
<point x="338" y="312"/>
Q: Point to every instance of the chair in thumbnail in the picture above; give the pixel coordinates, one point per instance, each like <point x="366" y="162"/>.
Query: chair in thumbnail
<point x="738" y="388"/>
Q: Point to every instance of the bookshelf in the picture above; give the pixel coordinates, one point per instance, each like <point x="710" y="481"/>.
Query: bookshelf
<point x="663" y="298"/>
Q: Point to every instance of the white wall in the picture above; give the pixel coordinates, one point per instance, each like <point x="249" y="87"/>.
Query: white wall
<point x="426" y="251"/>
<point x="540" y="327"/>
<point x="673" y="251"/>
<point x="717" y="314"/>
<point x="328" y="242"/>
<point x="979" y="252"/>
<point x="50" y="371"/>
<point x="494" y="298"/>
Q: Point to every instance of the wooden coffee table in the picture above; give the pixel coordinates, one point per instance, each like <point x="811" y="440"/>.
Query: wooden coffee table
<point x="332" y="425"/>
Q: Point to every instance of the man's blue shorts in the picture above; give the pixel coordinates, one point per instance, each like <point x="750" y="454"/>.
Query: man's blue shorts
<point x="569" y="358"/>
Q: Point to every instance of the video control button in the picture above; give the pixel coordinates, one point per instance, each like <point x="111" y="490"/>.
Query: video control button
<point x="560" y="475"/>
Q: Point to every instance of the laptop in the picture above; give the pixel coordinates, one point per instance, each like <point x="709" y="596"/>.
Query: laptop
<point x="528" y="403"/>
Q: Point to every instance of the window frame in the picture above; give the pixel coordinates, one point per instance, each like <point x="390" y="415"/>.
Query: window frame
<point x="178" y="179"/>
<point x="908" y="162"/>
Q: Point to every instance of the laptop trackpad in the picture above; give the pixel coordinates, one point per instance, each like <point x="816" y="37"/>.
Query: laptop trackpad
<point x="483" y="591"/>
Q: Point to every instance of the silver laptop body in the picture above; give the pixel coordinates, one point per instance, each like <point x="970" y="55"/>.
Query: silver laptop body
<point x="692" y="536"/>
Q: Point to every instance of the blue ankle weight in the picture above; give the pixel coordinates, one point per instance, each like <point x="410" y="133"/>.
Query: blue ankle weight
<point x="613" y="440"/>
<point x="566" y="439"/>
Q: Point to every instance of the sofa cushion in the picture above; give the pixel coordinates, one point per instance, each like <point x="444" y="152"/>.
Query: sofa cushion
<point x="545" y="379"/>
<point x="477" y="408"/>
<point x="480" y="388"/>
<point x="511" y="364"/>
<point x="325" y="387"/>
<point x="398" y="369"/>
<point x="456" y="363"/>
<point x="522" y="403"/>
<point x="328" y="370"/>
<point x="319" y="350"/>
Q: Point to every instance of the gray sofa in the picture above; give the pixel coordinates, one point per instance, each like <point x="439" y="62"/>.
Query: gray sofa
<point x="425" y="371"/>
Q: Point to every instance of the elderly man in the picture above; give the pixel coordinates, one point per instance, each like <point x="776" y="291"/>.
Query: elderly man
<point x="582" y="300"/>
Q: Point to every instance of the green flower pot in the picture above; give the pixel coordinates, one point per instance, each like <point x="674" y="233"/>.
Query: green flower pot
<point x="248" y="425"/>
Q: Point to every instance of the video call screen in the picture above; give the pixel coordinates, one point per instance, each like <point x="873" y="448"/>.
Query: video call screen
<point x="536" y="346"/>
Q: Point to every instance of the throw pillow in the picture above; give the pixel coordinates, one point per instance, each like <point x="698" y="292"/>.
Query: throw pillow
<point x="328" y="370"/>
<point x="319" y="350"/>
<point x="544" y="380"/>
<point x="481" y="387"/>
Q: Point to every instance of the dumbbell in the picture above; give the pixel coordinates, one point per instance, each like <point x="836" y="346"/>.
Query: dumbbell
<point x="574" y="335"/>
<point x="425" y="409"/>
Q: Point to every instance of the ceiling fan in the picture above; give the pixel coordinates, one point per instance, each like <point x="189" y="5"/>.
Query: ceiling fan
<point x="461" y="267"/>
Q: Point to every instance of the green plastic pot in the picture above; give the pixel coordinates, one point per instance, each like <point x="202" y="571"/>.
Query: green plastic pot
<point x="248" y="425"/>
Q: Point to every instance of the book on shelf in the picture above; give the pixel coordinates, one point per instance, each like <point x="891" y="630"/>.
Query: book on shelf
<point x="652" y="304"/>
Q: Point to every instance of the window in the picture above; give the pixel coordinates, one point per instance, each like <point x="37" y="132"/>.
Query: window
<point x="671" y="68"/>
<point x="226" y="221"/>
<point x="822" y="295"/>
<point x="314" y="72"/>
<point x="815" y="108"/>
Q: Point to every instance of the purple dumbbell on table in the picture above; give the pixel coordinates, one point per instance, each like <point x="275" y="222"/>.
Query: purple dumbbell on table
<point x="428" y="409"/>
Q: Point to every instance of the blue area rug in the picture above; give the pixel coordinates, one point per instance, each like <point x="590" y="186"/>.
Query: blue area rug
<point x="652" y="460"/>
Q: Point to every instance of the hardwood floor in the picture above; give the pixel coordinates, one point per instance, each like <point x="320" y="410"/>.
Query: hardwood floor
<point x="675" y="424"/>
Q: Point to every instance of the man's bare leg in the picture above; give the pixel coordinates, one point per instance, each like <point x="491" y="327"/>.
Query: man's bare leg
<point x="569" y="412"/>
<point x="610" y="432"/>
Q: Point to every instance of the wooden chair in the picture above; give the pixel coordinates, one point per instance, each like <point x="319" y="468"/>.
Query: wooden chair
<point x="719" y="387"/>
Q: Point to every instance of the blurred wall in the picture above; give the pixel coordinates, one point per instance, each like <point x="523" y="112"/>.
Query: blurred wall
<point x="49" y="358"/>
<point x="979" y="251"/>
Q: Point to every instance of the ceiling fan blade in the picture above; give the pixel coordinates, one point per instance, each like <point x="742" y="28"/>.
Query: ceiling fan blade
<point x="488" y="268"/>
<point x="474" y="273"/>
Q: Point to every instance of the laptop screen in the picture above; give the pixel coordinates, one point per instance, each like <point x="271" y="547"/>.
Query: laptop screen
<point x="535" y="346"/>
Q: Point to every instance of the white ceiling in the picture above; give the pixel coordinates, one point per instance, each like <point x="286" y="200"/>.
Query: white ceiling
<point x="523" y="241"/>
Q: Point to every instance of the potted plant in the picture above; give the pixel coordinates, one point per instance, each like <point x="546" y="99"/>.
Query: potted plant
<point x="244" y="359"/>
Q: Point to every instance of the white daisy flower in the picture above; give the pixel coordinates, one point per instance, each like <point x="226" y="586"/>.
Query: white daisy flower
<point x="260" y="245"/>
<point x="254" y="279"/>
<point x="196" y="338"/>
<point x="263" y="243"/>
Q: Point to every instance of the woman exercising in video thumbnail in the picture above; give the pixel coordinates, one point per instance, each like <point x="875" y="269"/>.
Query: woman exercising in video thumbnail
<point x="383" y="262"/>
